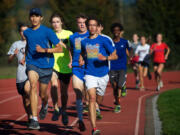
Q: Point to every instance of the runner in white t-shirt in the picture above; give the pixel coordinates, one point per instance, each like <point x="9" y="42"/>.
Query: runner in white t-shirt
<point x="23" y="87"/>
<point x="142" y="51"/>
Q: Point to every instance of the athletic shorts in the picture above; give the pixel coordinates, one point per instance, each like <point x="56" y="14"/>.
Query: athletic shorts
<point x="20" y="87"/>
<point x="157" y="64"/>
<point x="100" y="83"/>
<point x="118" y="76"/>
<point x="65" y="78"/>
<point x="79" y="72"/>
<point x="144" y="64"/>
<point x="45" y="74"/>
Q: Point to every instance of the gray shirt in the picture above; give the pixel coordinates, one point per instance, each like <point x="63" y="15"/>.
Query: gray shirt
<point x="20" y="45"/>
<point x="134" y="47"/>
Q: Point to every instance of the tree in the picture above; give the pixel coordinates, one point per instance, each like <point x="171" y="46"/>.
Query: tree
<point x="163" y="16"/>
<point x="6" y="23"/>
<point x="105" y="10"/>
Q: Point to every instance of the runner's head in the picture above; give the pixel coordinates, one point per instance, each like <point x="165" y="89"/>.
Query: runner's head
<point x="56" y="21"/>
<point x="100" y="28"/>
<point x="117" y="29"/>
<point x="135" y="37"/>
<point x="92" y="25"/>
<point x="159" y="38"/>
<point x="143" y="40"/>
<point x="21" y="28"/>
<point x="81" y="23"/>
<point x="35" y="17"/>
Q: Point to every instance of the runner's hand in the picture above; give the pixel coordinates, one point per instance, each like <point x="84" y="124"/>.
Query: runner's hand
<point x="166" y="57"/>
<point x="22" y="62"/>
<point x="101" y="57"/>
<point x="16" y="51"/>
<point x="70" y="65"/>
<point x="39" y="49"/>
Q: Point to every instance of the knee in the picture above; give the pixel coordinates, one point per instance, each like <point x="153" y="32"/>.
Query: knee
<point x="33" y="86"/>
<point x="92" y="99"/>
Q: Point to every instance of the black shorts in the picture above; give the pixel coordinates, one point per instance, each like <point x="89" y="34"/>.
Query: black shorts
<point x="20" y="87"/>
<point x="144" y="64"/>
<point x="157" y="64"/>
<point x="64" y="77"/>
<point x="118" y="76"/>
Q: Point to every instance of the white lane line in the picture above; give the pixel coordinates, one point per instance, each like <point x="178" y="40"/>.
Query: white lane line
<point x="9" y="99"/>
<point x="24" y="115"/>
<point x="139" y="112"/>
<point x="2" y="116"/>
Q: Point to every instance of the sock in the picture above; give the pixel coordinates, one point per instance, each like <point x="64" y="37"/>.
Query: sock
<point x="98" y="110"/>
<point x="79" y="108"/>
<point x="45" y="106"/>
<point x="57" y="109"/>
<point x="35" y="118"/>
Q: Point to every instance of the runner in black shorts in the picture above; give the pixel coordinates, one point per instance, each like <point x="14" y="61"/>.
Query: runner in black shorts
<point x="61" y="70"/>
<point x="23" y="87"/>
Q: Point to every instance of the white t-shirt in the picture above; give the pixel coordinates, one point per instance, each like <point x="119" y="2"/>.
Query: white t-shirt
<point x="142" y="51"/>
<point x="20" y="45"/>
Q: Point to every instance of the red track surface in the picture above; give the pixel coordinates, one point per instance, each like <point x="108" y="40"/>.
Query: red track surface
<point x="130" y="121"/>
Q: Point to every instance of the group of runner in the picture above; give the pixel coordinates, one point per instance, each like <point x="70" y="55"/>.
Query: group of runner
<point x="89" y="56"/>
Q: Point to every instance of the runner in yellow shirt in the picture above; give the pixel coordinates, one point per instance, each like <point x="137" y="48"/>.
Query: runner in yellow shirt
<point x="62" y="70"/>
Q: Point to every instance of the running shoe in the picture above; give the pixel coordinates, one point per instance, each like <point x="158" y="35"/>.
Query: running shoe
<point x="123" y="93"/>
<point x="34" y="125"/>
<point x="81" y="125"/>
<point x="117" y="109"/>
<point x="65" y="120"/>
<point x="158" y="87"/>
<point x="86" y="109"/>
<point x="161" y="84"/>
<point x="96" y="132"/>
<point x="43" y="112"/>
<point x="142" y="88"/>
<point x="56" y="115"/>
<point x="29" y="121"/>
<point x="98" y="115"/>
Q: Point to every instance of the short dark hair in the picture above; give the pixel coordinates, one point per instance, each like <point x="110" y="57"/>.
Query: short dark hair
<point x="116" y="25"/>
<point x="20" y="25"/>
<point x="56" y="14"/>
<point x="100" y="23"/>
<point x="92" y="18"/>
<point x="81" y="15"/>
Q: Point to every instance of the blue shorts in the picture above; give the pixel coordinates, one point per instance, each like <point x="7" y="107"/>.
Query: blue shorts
<point x="45" y="74"/>
<point x="79" y="72"/>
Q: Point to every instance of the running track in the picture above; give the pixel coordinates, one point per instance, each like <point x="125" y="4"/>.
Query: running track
<point x="130" y="121"/>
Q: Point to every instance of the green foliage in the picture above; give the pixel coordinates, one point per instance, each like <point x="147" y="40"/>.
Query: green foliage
<point x="104" y="10"/>
<point x="169" y="110"/>
<point x="161" y="16"/>
<point x="6" y="23"/>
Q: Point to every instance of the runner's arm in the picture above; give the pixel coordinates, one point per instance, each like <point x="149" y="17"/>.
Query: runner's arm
<point x="57" y="49"/>
<point x="112" y="56"/>
<point x="167" y="53"/>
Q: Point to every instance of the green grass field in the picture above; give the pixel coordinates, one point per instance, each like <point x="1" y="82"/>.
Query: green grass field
<point x="169" y="112"/>
<point x="7" y="72"/>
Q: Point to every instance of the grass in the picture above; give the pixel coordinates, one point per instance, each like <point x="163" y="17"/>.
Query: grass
<point x="8" y="72"/>
<point x="169" y="111"/>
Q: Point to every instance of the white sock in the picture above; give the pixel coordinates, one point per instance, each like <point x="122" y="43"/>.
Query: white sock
<point x="35" y="118"/>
